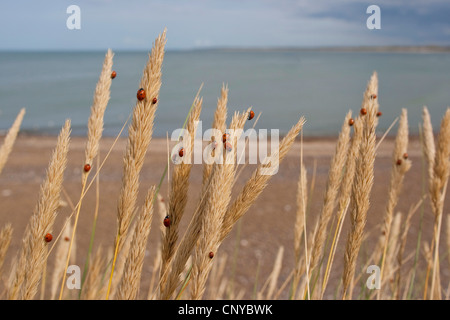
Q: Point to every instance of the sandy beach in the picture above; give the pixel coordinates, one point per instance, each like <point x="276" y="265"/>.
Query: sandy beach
<point x="266" y="226"/>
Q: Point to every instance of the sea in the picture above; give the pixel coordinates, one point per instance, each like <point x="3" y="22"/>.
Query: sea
<point x="282" y="85"/>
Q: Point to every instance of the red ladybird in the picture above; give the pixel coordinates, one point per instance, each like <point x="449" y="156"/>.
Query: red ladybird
<point x="225" y="137"/>
<point x="211" y="255"/>
<point x="373" y="96"/>
<point x="66" y="238"/>
<point x="399" y="162"/>
<point x="181" y="152"/>
<point x="228" y="146"/>
<point x="48" y="237"/>
<point x="251" y="115"/>
<point x="405" y="156"/>
<point x="113" y="74"/>
<point x="140" y="94"/>
<point x="351" y="122"/>
<point x="155" y="100"/>
<point x="363" y="111"/>
<point x="379" y="114"/>
<point x="167" y="221"/>
<point x="87" y="167"/>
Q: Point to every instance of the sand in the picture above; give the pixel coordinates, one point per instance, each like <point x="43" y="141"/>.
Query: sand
<point x="266" y="226"/>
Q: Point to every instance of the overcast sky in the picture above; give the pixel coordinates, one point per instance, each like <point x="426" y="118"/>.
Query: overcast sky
<point x="133" y="24"/>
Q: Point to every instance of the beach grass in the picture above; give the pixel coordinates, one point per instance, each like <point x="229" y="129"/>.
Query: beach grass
<point x="331" y="248"/>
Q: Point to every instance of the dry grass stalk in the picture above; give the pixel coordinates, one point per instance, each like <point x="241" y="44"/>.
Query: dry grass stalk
<point x="437" y="194"/>
<point x="60" y="254"/>
<point x="400" y="165"/>
<point x="428" y="143"/>
<point x="448" y="238"/>
<point x="129" y="286"/>
<point x="95" y="130"/>
<point x="300" y="219"/>
<point x="257" y="182"/>
<point x="401" y="249"/>
<point x="121" y="259"/>
<point x="362" y="185"/>
<point x="93" y="288"/>
<point x="5" y="240"/>
<point x="205" y="205"/>
<point x="389" y="275"/>
<point x="398" y="172"/>
<point x="10" y="138"/>
<point x="179" y="189"/>
<point x="152" y="289"/>
<point x="219" y="123"/>
<point x="267" y="291"/>
<point x="222" y="290"/>
<point x="216" y="277"/>
<point x="218" y="196"/>
<point x="156" y="269"/>
<point x="33" y="254"/>
<point x="95" y="122"/>
<point x="391" y="254"/>
<point x="429" y="151"/>
<point x="332" y="188"/>
<point x="162" y="210"/>
<point x="139" y="137"/>
<point x="345" y="192"/>
<point x="273" y="278"/>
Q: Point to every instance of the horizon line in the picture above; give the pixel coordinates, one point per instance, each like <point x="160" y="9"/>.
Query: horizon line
<point x="375" y="48"/>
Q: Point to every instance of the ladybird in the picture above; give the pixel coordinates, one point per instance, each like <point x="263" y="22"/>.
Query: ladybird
<point x="181" y="152"/>
<point x="140" y="94"/>
<point x="251" y="115"/>
<point x="228" y="146"/>
<point x="87" y="167"/>
<point x="48" y="237"/>
<point x="113" y="74"/>
<point x="225" y="137"/>
<point x="167" y="221"/>
<point x="154" y="100"/>
<point x="405" y="156"/>
<point x="373" y="96"/>
<point x="399" y="162"/>
<point x="379" y="114"/>
<point x="351" y="122"/>
<point x="66" y="238"/>
<point x="363" y="111"/>
<point x="211" y="255"/>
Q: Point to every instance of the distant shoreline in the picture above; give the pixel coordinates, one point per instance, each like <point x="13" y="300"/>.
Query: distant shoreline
<point x="368" y="49"/>
<point x="375" y="49"/>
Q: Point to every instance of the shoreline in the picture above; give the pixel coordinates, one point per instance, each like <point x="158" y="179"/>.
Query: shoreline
<point x="324" y="144"/>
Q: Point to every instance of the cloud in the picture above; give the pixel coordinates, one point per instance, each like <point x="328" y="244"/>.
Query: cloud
<point x="412" y="22"/>
<point x="232" y="23"/>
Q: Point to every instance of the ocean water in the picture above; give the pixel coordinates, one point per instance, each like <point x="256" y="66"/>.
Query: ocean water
<point x="283" y="85"/>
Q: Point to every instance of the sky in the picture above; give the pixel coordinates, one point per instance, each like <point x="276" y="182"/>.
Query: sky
<point x="192" y="24"/>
